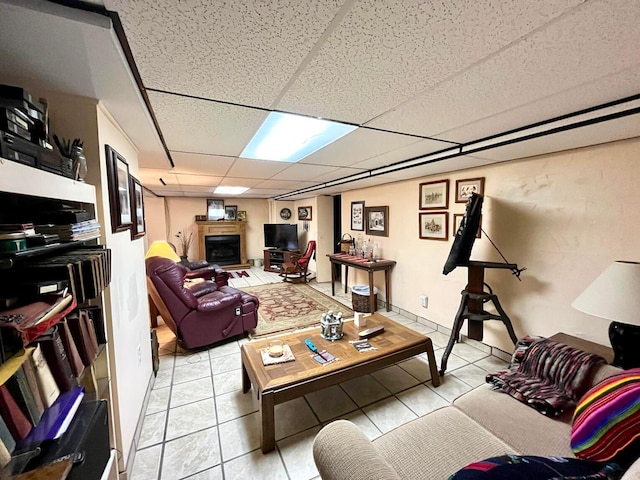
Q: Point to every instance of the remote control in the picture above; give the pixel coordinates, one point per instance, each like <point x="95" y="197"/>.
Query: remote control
<point x="311" y="346"/>
<point x="370" y="332"/>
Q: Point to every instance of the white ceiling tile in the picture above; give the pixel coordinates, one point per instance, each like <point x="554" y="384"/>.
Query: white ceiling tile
<point x="197" y="189"/>
<point x="242" y="52"/>
<point x="385" y="52"/>
<point x="200" y="126"/>
<point x="359" y="145"/>
<point x="198" y="180"/>
<point x="297" y="171"/>
<point x="240" y="182"/>
<point x="249" y="168"/>
<point x="197" y="163"/>
<point x="284" y="184"/>
<point x="565" y="58"/>
<point x="413" y="150"/>
<point x="610" y="131"/>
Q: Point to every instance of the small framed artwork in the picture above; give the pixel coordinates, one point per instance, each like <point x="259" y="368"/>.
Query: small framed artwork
<point x="357" y="216"/>
<point x="304" y="213"/>
<point x="464" y="188"/>
<point x="377" y="221"/>
<point x="434" y="195"/>
<point x="119" y="191"/>
<point x="137" y="207"/>
<point x="434" y="225"/>
<point x="242" y="215"/>
<point x="231" y="212"/>
<point x="457" y="221"/>
<point x="215" y="209"/>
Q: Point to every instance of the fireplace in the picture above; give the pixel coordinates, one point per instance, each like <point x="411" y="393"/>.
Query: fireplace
<point x="222" y="239"/>
<point x="222" y="249"/>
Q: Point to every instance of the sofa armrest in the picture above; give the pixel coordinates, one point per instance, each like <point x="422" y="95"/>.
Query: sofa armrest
<point x="218" y="300"/>
<point x="202" y="288"/>
<point x="341" y="451"/>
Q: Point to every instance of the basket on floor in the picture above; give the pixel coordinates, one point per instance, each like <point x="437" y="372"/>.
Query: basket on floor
<point x="360" y="298"/>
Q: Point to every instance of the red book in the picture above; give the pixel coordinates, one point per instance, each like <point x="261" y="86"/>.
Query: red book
<point x="17" y="422"/>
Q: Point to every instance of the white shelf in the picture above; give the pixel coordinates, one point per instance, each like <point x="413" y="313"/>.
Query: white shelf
<point x="25" y="180"/>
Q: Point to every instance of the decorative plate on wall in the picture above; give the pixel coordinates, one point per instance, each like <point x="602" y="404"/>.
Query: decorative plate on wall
<point x="285" y="214"/>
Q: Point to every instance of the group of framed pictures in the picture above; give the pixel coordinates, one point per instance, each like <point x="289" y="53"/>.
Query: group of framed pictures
<point x="126" y="200"/>
<point x="434" y="225"/>
<point x="373" y="220"/>
<point x="217" y="210"/>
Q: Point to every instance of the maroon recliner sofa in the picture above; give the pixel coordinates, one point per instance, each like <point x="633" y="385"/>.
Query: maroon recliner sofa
<point x="203" y="313"/>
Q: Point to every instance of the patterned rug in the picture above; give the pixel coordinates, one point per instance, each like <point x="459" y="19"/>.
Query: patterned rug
<point x="286" y="306"/>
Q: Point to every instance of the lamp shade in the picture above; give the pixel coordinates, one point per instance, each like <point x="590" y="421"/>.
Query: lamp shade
<point x="160" y="248"/>
<point x="614" y="295"/>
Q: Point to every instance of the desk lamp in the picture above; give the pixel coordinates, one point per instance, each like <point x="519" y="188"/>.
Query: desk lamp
<point x="615" y="295"/>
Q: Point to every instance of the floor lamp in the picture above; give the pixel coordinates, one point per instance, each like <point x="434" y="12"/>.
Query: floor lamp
<point x="615" y="295"/>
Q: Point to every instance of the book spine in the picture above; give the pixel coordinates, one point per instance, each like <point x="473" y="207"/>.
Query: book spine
<point x="16" y="420"/>
<point x="46" y="383"/>
<point x="19" y="388"/>
<point x="5" y="436"/>
<point x="30" y="375"/>
<point x="56" y="357"/>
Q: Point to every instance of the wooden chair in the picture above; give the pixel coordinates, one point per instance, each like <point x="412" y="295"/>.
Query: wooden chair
<point x="296" y="270"/>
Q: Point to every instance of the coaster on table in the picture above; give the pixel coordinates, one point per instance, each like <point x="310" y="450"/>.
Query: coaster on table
<point x="287" y="356"/>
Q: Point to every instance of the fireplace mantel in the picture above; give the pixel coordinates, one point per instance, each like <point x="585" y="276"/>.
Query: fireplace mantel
<point x="224" y="228"/>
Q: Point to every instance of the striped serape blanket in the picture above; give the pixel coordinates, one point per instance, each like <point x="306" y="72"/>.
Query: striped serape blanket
<point x="551" y="377"/>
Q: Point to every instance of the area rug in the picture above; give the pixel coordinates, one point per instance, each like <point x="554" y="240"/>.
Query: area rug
<point x="286" y="306"/>
<point x="238" y="274"/>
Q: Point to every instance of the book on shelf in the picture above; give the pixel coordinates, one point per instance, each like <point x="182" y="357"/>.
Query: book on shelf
<point x="77" y="367"/>
<point x="25" y="397"/>
<point x="46" y="383"/>
<point x="17" y="422"/>
<point x="5" y="436"/>
<point x="55" y="420"/>
<point x="30" y="374"/>
<point x="83" y="332"/>
<point x="56" y="357"/>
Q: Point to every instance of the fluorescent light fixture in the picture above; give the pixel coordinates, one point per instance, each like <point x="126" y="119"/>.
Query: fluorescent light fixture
<point x="230" y="190"/>
<point x="284" y="137"/>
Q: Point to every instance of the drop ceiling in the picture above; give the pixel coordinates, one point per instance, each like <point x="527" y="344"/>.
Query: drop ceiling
<point x="418" y="78"/>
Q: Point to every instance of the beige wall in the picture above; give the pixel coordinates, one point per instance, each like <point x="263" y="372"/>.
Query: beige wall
<point x="564" y="216"/>
<point x="180" y="216"/>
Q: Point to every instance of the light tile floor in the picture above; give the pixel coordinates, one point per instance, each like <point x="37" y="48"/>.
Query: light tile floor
<point x="199" y="425"/>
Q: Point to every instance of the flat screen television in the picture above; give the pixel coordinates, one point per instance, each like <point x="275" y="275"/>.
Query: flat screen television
<point x="281" y="235"/>
<point x="465" y="236"/>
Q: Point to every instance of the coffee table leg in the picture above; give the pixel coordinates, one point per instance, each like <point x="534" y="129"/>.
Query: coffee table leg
<point x="433" y="368"/>
<point x="267" y="416"/>
<point x="246" y="382"/>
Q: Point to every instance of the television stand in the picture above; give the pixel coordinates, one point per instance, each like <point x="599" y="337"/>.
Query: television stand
<point x="472" y="309"/>
<point x="275" y="257"/>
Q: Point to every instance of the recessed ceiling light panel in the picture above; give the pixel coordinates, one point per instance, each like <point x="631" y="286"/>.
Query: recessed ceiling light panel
<point x="284" y="137"/>
<point x="222" y="190"/>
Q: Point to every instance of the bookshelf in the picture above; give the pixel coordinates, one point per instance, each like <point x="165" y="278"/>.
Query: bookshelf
<point x="25" y="187"/>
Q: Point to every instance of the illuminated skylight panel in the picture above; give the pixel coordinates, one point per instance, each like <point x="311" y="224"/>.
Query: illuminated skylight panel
<point x="284" y="137"/>
<point x="222" y="190"/>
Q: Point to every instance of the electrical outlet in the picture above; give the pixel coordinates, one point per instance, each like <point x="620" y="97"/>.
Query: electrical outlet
<point x="139" y="350"/>
<point x="424" y="301"/>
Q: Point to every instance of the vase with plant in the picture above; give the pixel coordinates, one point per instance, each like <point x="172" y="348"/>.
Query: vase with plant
<point x="73" y="151"/>
<point x="185" y="238"/>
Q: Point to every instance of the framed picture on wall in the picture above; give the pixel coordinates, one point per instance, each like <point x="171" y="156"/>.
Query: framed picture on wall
<point x="357" y="216"/>
<point x="215" y="209"/>
<point x="434" y="195"/>
<point x="137" y="207"/>
<point x="434" y="225"/>
<point x="457" y="220"/>
<point x="377" y="221"/>
<point x="119" y="190"/>
<point x="304" y="213"/>
<point x="464" y="188"/>
<point x="231" y="212"/>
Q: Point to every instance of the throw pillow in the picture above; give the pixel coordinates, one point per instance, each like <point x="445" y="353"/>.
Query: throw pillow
<point x="525" y="467"/>
<point x="606" y="421"/>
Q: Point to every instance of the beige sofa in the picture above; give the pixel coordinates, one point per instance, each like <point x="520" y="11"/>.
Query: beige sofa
<point x="480" y="424"/>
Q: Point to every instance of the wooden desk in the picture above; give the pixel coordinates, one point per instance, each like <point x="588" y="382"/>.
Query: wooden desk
<point x="347" y="260"/>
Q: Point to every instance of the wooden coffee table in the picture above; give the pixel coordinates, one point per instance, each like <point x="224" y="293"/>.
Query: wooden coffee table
<point x="283" y="382"/>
